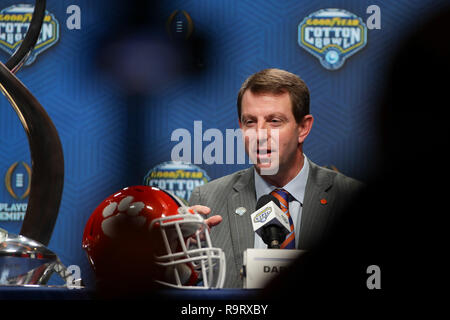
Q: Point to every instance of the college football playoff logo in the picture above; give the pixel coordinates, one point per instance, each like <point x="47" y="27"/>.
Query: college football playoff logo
<point x="16" y="179"/>
<point x="180" y="25"/>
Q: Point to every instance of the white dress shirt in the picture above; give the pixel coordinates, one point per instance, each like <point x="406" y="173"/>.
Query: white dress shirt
<point x="296" y="188"/>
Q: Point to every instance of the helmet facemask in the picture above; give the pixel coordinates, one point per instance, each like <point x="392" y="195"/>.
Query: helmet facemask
<point x="189" y="259"/>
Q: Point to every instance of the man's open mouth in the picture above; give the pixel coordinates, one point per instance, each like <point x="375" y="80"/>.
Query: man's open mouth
<point x="263" y="155"/>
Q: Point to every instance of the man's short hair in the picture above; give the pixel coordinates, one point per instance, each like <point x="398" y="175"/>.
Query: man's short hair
<point x="277" y="81"/>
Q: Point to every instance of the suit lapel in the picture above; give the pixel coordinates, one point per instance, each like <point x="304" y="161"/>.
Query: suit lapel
<point x="241" y="230"/>
<point x="316" y="206"/>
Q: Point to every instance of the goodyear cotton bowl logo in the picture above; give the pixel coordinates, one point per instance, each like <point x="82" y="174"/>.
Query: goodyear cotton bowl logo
<point x="332" y="35"/>
<point x="14" y="23"/>
<point x="179" y="177"/>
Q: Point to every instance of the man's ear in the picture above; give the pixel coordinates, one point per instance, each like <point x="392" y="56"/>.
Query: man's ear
<point x="240" y="123"/>
<point x="305" y="127"/>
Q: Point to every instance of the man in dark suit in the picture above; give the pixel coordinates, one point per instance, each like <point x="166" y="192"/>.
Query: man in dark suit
<point x="273" y="114"/>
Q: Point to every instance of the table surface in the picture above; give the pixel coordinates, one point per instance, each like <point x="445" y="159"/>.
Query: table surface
<point x="63" y="293"/>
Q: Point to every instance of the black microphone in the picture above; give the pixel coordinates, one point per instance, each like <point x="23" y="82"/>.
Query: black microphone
<point x="269" y="221"/>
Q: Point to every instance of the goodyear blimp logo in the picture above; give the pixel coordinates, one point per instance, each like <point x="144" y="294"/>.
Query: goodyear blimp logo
<point x="14" y="23"/>
<point x="332" y="35"/>
<point x="179" y="177"/>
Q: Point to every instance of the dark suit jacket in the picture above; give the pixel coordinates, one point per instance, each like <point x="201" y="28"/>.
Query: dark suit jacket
<point x="235" y="233"/>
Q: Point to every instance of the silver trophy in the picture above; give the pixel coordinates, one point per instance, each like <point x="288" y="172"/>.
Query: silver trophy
<point x="24" y="258"/>
<point x="24" y="261"/>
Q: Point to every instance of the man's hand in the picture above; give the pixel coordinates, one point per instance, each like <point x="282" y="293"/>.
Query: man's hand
<point x="203" y="210"/>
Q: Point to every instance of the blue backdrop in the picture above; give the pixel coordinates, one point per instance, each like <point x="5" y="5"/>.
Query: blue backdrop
<point x="119" y="86"/>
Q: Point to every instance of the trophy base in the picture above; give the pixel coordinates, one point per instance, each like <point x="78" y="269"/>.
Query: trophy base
<point x="28" y="263"/>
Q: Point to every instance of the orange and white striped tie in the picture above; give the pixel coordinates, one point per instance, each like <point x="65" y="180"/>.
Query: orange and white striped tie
<point x="283" y="196"/>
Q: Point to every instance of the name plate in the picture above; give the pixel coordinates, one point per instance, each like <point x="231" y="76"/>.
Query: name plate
<point x="263" y="265"/>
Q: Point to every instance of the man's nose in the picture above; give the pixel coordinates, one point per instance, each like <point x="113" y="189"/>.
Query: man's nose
<point x="262" y="125"/>
<point x="262" y="133"/>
